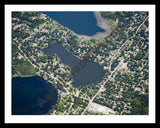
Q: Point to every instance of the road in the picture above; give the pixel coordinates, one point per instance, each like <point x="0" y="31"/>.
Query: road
<point x="19" y="47"/>
<point x="113" y="57"/>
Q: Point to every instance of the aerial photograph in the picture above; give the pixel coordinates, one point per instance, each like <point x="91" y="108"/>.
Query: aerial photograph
<point x="80" y="63"/>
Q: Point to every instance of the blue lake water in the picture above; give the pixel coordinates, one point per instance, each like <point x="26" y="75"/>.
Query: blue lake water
<point x="92" y="72"/>
<point x="32" y="96"/>
<point x="83" y="23"/>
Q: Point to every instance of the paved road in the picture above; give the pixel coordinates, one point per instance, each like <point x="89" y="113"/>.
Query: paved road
<point x="118" y="51"/>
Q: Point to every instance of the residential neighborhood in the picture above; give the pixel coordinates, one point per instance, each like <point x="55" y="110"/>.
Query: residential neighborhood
<point x="124" y="57"/>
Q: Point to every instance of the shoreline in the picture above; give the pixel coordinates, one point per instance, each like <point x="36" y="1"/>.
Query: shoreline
<point x="98" y="36"/>
<point x="101" y="22"/>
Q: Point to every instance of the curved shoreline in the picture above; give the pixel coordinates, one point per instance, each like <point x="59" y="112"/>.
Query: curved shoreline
<point x="101" y="22"/>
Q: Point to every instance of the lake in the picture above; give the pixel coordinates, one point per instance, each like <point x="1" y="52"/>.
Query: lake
<point x="92" y="72"/>
<point x="83" y="23"/>
<point x="32" y="96"/>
